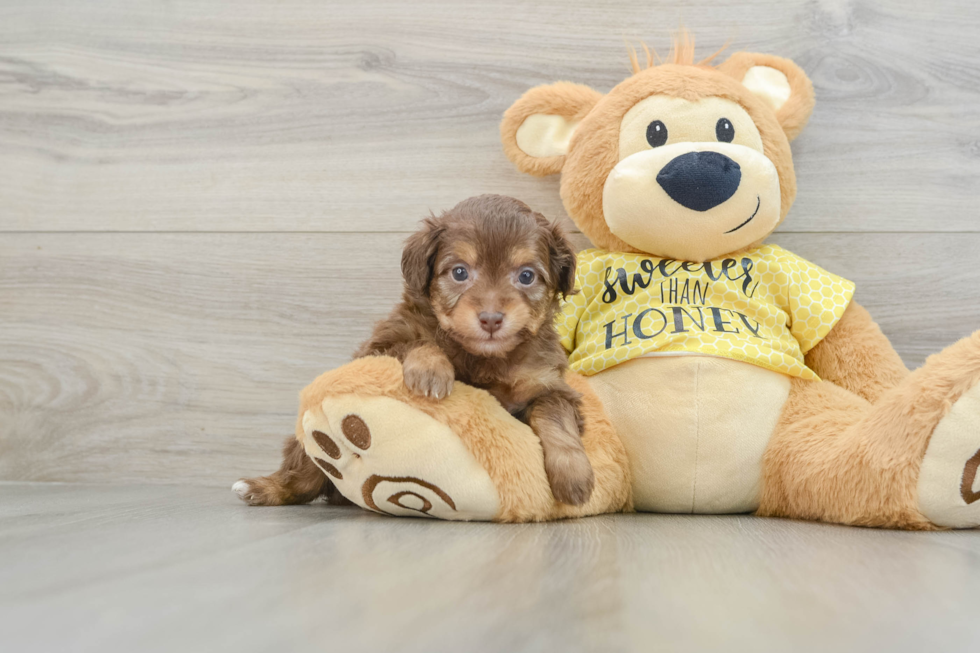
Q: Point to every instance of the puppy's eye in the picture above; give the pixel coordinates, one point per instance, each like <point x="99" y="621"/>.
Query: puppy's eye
<point x="526" y="277"/>
<point x="460" y="273"/>
<point x="656" y="133"/>
<point x="724" y="130"/>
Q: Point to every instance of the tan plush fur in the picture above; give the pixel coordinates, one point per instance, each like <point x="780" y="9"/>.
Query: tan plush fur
<point x="681" y="53"/>
<point x="793" y="115"/>
<point x="835" y="457"/>
<point x="847" y="449"/>
<point x="594" y="147"/>
<point x="857" y="356"/>
<point x="505" y="447"/>
<point x="571" y="101"/>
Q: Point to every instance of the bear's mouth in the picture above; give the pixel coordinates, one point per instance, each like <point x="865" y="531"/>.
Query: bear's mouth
<point x="758" y="203"/>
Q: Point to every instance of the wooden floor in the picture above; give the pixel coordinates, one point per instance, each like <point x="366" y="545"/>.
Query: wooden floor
<point x="143" y="568"/>
<point x="202" y="205"/>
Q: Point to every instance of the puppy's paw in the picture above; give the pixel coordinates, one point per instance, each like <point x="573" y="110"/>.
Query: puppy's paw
<point x="428" y="373"/>
<point x="258" y="492"/>
<point x="570" y="475"/>
<point x="429" y="382"/>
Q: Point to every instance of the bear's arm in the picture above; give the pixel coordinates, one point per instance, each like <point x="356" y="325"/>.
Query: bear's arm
<point x="857" y="356"/>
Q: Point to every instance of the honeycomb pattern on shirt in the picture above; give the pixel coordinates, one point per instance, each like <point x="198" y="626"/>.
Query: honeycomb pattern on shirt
<point x="766" y="306"/>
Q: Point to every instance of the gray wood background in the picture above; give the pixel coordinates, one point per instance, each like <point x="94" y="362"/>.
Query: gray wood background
<point x="202" y="203"/>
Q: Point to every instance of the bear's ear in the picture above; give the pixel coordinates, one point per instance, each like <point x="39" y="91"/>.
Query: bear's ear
<point x="779" y="82"/>
<point x="537" y="128"/>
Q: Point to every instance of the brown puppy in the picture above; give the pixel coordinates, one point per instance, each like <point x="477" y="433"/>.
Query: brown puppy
<point x="482" y="286"/>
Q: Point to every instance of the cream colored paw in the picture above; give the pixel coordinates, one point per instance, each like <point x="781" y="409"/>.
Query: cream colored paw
<point x="386" y="456"/>
<point x="949" y="481"/>
<point x="241" y="488"/>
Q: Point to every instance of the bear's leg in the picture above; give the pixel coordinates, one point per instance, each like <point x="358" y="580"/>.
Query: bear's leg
<point x="907" y="461"/>
<point x="461" y="457"/>
<point x="857" y="356"/>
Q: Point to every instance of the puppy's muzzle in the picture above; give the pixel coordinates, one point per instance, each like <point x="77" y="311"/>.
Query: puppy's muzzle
<point x="700" y="180"/>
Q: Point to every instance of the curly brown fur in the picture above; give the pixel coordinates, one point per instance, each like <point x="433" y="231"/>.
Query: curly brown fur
<point x="482" y="287"/>
<point x="464" y="266"/>
<point x="557" y="420"/>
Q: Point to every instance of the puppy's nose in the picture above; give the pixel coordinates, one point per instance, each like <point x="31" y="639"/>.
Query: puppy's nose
<point x="490" y="322"/>
<point x="700" y="180"/>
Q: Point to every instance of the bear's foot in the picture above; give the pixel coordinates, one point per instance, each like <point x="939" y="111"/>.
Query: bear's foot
<point x="389" y="457"/>
<point x="949" y="481"/>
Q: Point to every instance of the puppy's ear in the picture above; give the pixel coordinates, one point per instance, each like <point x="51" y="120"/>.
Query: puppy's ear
<point x="562" y="260"/>
<point x="419" y="256"/>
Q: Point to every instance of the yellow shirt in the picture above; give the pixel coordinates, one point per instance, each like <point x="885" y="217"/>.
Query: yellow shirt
<point x="765" y="306"/>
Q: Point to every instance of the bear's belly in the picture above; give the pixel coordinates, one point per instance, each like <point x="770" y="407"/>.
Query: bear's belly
<point x="695" y="429"/>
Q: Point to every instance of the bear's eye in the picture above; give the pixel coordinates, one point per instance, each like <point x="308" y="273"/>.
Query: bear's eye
<point x="460" y="273"/>
<point x="724" y="130"/>
<point x="656" y="133"/>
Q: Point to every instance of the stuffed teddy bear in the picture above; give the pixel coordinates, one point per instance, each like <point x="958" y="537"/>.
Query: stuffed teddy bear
<point x="720" y="374"/>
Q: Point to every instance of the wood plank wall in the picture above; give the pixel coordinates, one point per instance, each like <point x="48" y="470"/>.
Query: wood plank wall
<point x="202" y="203"/>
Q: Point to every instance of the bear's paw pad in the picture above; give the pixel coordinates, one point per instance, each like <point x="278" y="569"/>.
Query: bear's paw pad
<point x="949" y="478"/>
<point x="389" y="457"/>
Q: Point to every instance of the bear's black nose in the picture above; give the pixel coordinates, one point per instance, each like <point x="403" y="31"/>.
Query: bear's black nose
<point x="700" y="180"/>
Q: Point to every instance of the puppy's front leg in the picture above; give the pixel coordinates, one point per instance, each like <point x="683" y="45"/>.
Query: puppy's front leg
<point x="428" y="372"/>
<point x="555" y="418"/>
